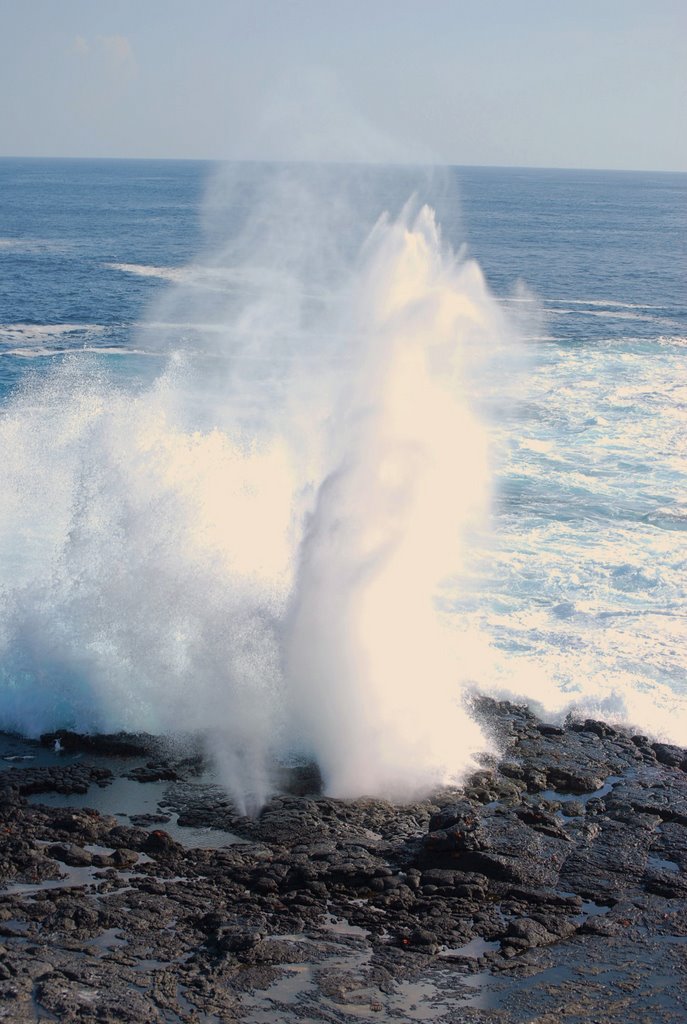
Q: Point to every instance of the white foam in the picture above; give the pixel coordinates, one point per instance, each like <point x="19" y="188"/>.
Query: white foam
<point x="535" y="444"/>
<point x="145" y="270"/>
<point x="606" y="314"/>
<point x="200" y="327"/>
<point x="193" y="275"/>
<point x="44" y="333"/>
<point x="102" y="350"/>
<point x="672" y="341"/>
<point x="31" y="353"/>
<point x="32" y="245"/>
<point x="610" y="303"/>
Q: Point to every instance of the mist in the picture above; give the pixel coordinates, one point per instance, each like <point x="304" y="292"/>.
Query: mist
<point x="251" y="548"/>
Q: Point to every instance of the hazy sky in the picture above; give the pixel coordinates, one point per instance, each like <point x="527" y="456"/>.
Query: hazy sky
<point x="587" y="83"/>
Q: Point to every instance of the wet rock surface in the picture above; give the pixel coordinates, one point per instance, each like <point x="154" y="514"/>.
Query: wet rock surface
<point x="551" y="887"/>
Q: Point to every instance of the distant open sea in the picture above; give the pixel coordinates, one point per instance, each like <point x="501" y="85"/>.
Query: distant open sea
<point x="579" y="583"/>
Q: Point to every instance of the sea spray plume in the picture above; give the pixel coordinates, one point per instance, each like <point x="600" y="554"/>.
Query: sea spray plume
<point x="256" y="313"/>
<point x="159" y="591"/>
<point x="151" y="594"/>
<point x="374" y="672"/>
<point x="146" y="596"/>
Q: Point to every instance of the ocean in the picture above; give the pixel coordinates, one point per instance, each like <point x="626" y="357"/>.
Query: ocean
<point x="297" y="477"/>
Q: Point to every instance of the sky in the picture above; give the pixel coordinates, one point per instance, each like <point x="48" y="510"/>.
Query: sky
<point x="540" y="83"/>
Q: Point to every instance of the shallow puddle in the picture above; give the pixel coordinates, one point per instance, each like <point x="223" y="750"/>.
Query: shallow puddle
<point x="582" y="798"/>
<point x="339" y="982"/>
<point x="473" y="950"/>
<point x="71" y="878"/>
<point x="108" y="940"/>
<point x="125" y="799"/>
<point x="660" y="864"/>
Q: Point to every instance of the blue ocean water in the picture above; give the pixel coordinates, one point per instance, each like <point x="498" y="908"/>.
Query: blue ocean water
<point x="576" y="587"/>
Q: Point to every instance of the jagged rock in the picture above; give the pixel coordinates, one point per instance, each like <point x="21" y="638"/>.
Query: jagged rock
<point x="668" y="754"/>
<point x="73" y="855"/>
<point x="161" y="842"/>
<point x="527" y="932"/>
<point x="154" y="772"/>
<point x="120" y="744"/>
<point x="503" y="867"/>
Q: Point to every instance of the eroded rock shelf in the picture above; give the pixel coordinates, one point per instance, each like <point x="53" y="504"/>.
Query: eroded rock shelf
<point x="552" y="887"/>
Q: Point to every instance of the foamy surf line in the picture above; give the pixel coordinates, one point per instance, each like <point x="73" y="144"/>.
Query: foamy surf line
<point x="33" y="245"/>
<point x="610" y="303"/>
<point x="208" y="277"/>
<point x="144" y="270"/>
<point x="45" y="332"/>
<point x="101" y="350"/>
<point x="602" y="303"/>
<point x="610" y="314"/>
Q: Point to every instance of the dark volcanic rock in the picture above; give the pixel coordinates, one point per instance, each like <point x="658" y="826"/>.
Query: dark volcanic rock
<point x="154" y="771"/>
<point x="73" y="778"/>
<point x="563" y="858"/>
<point x="120" y="744"/>
<point x="158" y="842"/>
<point x="668" y="754"/>
<point x="73" y="855"/>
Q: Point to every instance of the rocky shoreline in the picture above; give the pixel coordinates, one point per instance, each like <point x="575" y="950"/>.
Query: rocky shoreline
<point x="552" y="887"/>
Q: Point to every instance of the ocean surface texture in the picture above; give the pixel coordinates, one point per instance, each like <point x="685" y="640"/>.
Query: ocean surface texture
<point x="166" y="327"/>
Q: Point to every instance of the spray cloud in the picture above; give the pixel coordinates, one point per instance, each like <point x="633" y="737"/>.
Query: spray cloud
<point x="252" y="546"/>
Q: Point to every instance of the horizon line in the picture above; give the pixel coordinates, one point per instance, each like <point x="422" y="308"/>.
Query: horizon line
<point x="344" y="163"/>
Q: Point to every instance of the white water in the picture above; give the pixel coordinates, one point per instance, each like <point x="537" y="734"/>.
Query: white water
<point x="374" y="669"/>
<point x="253" y="546"/>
